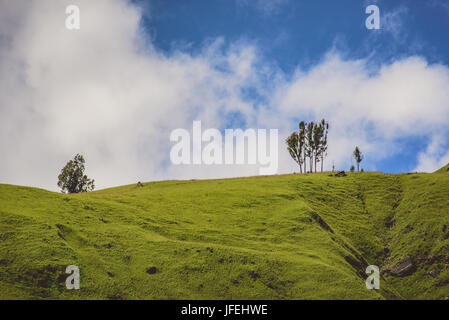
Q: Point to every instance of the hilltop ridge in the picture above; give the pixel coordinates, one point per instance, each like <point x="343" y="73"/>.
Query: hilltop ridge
<point x="444" y="169"/>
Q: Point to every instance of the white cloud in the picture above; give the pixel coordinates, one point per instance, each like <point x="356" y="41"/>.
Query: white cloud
<point x="443" y="4"/>
<point x="393" y="22"/>
<point x="370" y="108"/>
<point x="435" y="156"/>
<point x="100" y="92"/>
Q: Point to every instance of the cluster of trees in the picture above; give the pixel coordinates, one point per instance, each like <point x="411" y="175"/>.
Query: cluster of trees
<point x="310" y="142"/>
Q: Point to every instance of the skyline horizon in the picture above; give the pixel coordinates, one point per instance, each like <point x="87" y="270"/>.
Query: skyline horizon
<point x="116" y="87"/>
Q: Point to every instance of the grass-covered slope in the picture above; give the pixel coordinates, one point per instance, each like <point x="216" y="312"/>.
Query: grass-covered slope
<point x="444" y="169"/>
<point x="277" y="237"/>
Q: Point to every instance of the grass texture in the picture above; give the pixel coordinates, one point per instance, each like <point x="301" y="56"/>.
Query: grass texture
<point x="299" y="236"/>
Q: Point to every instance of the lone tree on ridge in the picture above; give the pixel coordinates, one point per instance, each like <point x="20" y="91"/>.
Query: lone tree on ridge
<point x="72" y="178"/>
<point x="358" y="157"/>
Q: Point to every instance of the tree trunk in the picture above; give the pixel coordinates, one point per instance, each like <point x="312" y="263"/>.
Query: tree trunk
<point x="305" y="163"/>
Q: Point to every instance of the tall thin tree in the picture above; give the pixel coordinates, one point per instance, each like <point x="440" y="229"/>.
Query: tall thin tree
<point x="318" y="131"/>
<point x="323" y="142"/>
<point x="358" y="157"/>
<point x="294" y="148"/>
<point x="302" y="141"/>
<point x="309" y="146"/>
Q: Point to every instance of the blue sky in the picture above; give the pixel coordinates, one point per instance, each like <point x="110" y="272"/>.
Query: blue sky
<point x="301" y="32"/>
<point x="289" y="34"/>
<point x="115" y="89"/>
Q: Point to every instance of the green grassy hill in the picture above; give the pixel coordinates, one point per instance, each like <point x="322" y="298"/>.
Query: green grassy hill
<point x="445" y="169"/>
<point x="276" y="237"/>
